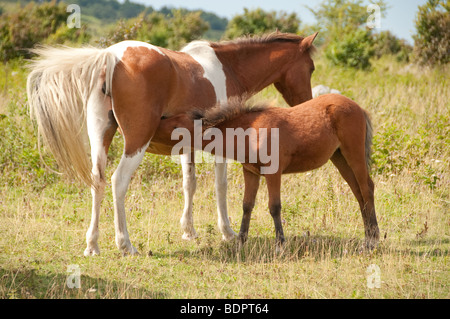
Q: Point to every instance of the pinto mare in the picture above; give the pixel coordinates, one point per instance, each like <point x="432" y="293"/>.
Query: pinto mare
<point x="130" y="85"/>
<point x="308" y="135"/>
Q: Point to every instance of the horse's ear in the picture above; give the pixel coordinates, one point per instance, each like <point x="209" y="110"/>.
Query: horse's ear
<point x="306" y="43"/>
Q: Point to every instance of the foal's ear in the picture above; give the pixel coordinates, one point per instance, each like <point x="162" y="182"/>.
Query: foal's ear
<point x="306" y="43"/>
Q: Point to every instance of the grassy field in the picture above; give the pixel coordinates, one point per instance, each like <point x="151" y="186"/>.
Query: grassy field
<point x="44" y="216"/>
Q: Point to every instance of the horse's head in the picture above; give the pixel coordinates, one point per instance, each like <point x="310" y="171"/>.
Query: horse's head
<point x="167" y="126"/>
<point x="295" y="82"/>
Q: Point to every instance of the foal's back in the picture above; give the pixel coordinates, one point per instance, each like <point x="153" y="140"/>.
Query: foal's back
<point x="309" y="133"/>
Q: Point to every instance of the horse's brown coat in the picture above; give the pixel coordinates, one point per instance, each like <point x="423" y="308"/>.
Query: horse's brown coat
<point x="147" y="84"/>
<point x="129" y="86"/>
<point x="328" y="127"/>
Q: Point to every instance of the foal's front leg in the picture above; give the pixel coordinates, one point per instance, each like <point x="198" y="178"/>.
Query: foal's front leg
<point x="251" y="189"/>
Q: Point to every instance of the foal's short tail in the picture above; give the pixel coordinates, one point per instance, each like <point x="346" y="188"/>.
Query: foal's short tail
<point x="58" y="87"/>
<point x="368" y="142"/>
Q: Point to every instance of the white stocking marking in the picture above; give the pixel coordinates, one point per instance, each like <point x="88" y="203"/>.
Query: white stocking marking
<point x="189" y="186"/>
<point x="120" y="181"/>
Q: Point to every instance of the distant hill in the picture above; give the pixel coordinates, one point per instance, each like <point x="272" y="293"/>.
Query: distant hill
<point x="110" y="11"/>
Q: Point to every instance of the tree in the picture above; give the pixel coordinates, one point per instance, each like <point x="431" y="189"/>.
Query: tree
<point x="386" y="43"/>
<point x="29" y="25"/>
<point x="124" y="30"/>
<point x="259" y="21"/>
<point x="185" y="27"/>
<point x="172" y="32"/>
<point x="343" y="24"/>
<point x="354" y="49"/>
<point x="432" y="40"/>
<point x="337" y="16"/>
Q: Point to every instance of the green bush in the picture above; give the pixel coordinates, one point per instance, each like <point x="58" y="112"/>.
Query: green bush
<point x="123" y="31"/>
<point x="432" y="41"/>
<point x="386" y="43"/>
<point x="65" y="35"/>
<point x="354" y="49"/>
<point x="34" y="23"/>
<point x="259" y="21"/>
<point x="342" y="25"/>
<point x="172" y="32"/>
<point x="394" y="150"/>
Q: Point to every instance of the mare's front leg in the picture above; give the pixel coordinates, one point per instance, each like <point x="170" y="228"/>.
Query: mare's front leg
<point x="251" y="189"/>
<point x="273" y="186"/>
<point x="221" y="197"/>
<point x="189" y="186"/>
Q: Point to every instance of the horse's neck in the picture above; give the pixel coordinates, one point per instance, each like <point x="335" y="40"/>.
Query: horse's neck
<point x="252" y="67"/>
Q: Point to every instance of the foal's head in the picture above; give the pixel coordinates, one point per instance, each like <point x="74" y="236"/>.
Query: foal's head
<point x="295" y="81"/>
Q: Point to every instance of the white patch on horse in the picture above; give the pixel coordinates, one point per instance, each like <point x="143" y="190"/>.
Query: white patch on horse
<point x="97" y="123"/>
<point x="189" y="186"/>
<point x="120" y="181"/>
<point x="119" y="48"/>
<point x="202" y="52"/>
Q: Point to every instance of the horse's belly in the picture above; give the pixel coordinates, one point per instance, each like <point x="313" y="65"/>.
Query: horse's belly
<point x="310" y="159"/>
<point x="159" y="149"/>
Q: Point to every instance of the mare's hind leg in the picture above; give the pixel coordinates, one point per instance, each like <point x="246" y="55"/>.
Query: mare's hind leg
<point x="101" y="128"/>
<point x="273" y="186"/>
<point x="120" y="181"/>
<point x="137" y="114"/>
<point x="189" y="186"/>
<point x="251" y="189"/>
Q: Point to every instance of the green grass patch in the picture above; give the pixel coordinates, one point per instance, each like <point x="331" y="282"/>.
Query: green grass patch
<point x="44" y="216"/>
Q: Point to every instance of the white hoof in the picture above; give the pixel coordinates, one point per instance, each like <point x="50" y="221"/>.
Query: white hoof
<point x="91" y="251"/>
<point x="228" y="234"/>
<point x="129" y="251"/>
<point x="125" y="247"/>
<point x="190" y="235"/>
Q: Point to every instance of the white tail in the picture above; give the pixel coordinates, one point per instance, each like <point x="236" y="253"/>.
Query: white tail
<point x="58" y="88"/>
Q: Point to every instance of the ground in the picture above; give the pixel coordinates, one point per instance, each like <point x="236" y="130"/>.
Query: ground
<point x="44" y="216"/>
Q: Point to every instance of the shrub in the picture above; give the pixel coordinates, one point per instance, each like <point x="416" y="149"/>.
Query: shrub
<point x="259" y="21"/>
<point x="32" y="24"/>
<point x="171" y="32"/>
<point x="432" y="41"/>
<point x="342" y="23"/>
<point x="123" y="31"/>
<point x="386" y="43"/>
<point x="354" y="49"/>
<point x="64" y="35"/>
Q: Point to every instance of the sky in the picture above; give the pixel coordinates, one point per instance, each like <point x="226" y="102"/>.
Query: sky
<point x="399" y="17"/>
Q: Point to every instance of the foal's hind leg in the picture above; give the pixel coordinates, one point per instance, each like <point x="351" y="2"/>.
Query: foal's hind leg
<point x="356" y="161"/>
<point x="189" y="186"/>
<point x="101" y="129"/>
<point x="251" y="189"/>
<point x="347" y="173"/>
<point x="274" y="186"/>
